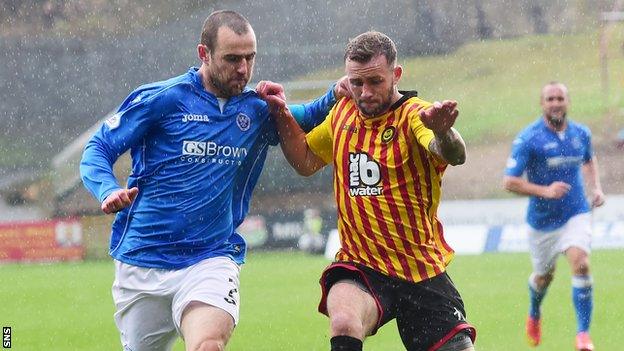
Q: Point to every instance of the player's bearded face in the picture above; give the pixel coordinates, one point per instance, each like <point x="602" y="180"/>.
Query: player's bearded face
<point x="372" y="85"/>
<point x="554" y="103"/>
<point x="375" y="105"/>
<point x="229" y="82"/>
<point x="232" y="62"/>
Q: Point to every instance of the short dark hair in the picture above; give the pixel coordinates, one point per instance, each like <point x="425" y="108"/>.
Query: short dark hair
<point x="370" y="44"/>
<point x="231" y="19"/>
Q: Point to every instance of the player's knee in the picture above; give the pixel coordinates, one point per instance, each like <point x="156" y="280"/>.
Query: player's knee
<point x="581" y="267"/>
<point x="207" y="345"/>
<point x="346" y="323"/>
<point x="543" y="281"/>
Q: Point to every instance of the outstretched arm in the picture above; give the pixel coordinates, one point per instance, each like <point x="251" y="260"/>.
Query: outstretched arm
<point x="448" y="143"/>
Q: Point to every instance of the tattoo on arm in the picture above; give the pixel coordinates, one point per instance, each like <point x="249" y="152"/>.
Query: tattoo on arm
<point x="449" y="146"/>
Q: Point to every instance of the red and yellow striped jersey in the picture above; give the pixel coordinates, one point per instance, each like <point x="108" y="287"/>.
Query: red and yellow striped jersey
<point x="387" y="187"/>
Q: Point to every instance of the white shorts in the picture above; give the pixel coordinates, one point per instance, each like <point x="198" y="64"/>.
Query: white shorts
<point x="150" y="301"/>
<point x="545" y="247"/>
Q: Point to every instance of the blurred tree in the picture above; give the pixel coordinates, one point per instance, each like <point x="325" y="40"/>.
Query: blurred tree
<point x="540" y="26"/>
<point x="484" y="29"/>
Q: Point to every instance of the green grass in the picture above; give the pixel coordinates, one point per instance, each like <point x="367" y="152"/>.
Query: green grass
<point x="69" y="307"/>
<point x="497" y="83"/>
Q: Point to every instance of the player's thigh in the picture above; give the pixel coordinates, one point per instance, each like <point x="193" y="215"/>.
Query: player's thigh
<point x="431" y="313"/>
<point x="206" y="324"/>
<point x="206" y="306"/>
<point x="143" y="314"/>
<point x="576" y="241"/>
<point x="459" y="342"/>
<point x="146" y="324"/>
<point x="544" y="250"/>
<point x="349" y="303"/>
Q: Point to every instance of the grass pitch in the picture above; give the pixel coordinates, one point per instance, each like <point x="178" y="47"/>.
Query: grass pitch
<point x="69" y="307"/>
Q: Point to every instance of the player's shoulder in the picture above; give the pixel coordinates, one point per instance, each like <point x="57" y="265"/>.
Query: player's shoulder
<point x="412" y="101"/>
<point x="412" y="104"/>
<point x="249" y="98"/>
<point x="172" y="88"/>
<point x="529" y="133"/>
<point x="342" y="106"/>
<point x="579" y="127"/>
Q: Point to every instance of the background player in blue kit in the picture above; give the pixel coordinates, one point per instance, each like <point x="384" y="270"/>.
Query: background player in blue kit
<point x="198" y="144"/>
<point x="556" y="154"/>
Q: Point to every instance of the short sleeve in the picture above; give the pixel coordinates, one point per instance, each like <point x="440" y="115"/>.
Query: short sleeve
<point x="423" y="134"/>
<point x="320" y="140"/>
<point x="517" y="161"/>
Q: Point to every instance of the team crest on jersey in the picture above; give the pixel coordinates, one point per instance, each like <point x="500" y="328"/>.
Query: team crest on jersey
<point x="114" y="121"/>
<point x="243" y="122"/>
<point x="388" y="134"/>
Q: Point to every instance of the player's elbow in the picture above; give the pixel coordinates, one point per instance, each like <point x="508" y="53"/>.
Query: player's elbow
<point x="305" y="171"/>
<point x="458" y="160"/>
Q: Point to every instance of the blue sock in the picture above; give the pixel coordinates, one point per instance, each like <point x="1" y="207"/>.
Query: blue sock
<point x="582" y="298"/>
<point x="535" y="298"/>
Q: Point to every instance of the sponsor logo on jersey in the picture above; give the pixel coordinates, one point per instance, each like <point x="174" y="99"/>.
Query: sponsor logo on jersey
<point x="195" y="118"/>
<point x="114" y="121"/>
<point x="197" y="148"/>
<point x="364" y="175"/>
<point x="388" y="134"/>
<point x="243" y="122"/>
<point x="211" y="152"/>
<point x="563" y="161"/>
<point x="550" y="145"/>
<point x="511" y="163"/>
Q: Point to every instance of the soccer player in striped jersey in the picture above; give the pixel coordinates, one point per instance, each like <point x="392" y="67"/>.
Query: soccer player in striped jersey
<point x="389" y="150"/>
<point x="556" y="153"/>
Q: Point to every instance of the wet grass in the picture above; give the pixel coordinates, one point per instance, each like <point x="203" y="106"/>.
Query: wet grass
<point x="68" y="306"/>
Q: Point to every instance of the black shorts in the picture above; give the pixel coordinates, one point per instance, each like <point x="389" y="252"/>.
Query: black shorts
<point x="428" y="313"/>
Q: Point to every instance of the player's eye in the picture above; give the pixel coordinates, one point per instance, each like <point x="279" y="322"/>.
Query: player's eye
<point x="553" y="98"/>
<point x="356" y="83"/>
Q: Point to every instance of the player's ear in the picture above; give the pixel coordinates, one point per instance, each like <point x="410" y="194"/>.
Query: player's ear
<point x="203" y="53"/>
<point x="397" y="72"/>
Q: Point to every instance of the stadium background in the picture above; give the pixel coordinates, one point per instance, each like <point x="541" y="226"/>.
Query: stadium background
<point x="64" y="70"/>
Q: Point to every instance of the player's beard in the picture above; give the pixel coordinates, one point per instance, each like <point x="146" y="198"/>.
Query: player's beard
<point x="556" y="121"/>
<point x="227" y="87"/>
<point x="378" y="110"/>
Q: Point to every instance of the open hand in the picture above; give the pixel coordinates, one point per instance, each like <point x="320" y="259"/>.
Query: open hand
<point x="119" y="199"/>
<point x="440" y="116"/>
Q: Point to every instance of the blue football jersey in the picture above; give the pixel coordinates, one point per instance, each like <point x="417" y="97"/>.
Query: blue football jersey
<point x="548" y="156"/>
<point x="194" y="164"/>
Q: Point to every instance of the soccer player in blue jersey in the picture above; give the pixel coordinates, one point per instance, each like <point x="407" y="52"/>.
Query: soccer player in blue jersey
<point x="198" y="143"/>
<point x="556" y="154"/>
